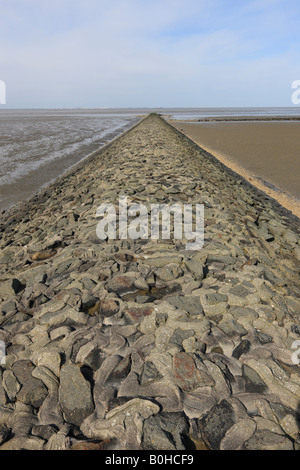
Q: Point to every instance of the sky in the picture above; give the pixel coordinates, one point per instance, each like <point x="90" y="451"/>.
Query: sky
<point x="149" y="53"/>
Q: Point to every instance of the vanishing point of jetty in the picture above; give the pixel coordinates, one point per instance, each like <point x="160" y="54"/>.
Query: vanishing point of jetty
<point x="141" y="343"/>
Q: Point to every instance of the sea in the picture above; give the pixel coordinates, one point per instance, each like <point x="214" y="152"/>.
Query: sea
<point x="38" y="145"/>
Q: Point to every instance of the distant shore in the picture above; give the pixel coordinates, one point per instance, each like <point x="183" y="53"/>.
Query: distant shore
<point x="265" y="153"/>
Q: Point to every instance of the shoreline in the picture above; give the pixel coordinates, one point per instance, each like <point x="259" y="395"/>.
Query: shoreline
<point x="139" y="343"/>
<point x="288" y="201"/>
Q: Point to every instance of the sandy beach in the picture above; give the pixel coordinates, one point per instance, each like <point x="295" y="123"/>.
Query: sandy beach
<point x="266" y="153"/>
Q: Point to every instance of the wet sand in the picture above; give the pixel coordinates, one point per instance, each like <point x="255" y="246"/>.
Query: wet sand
<point x="267" y="154"/>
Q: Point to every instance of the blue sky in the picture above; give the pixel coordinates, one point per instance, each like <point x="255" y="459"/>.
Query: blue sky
<point x="136" y="53"/>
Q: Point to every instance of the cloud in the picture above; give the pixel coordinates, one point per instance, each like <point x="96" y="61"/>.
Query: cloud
<point x="160" y="53"/>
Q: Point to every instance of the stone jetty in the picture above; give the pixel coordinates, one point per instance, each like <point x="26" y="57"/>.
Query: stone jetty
<point x="141" y="343"/>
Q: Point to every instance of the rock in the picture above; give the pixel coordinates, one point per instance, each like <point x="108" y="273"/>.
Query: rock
<point x="88" y="301"/>
<point x="23" y="443"/>
<point x="75" y="395"/>
<point x="4" y="434"/>
<point x="169" y="273"/>
<point x="49" y="359"/>
<point x="254" y="384"/>
<point x="232" y="328"/>
<point x="138" y="313"/>
<point x="179" y="336"/>
<point x="150" y="373"/>
<point x="267" y="440"/>
<point x="124" y="423"/>
<point x="263" y="338"/>
<point x="42" y="255"/>
<point x="121" y="285"/>
<point x="162" y="261"/>
<point x="244" y="312"/>
<point x="190" y="304"/>
<point x="108" y="308"/>
<point x="10" y="384"/>
<point x="186" y="375"/>
<point x="290" y="426"/>
<point x="7" y="307"/>
<point x="239" y="290"/>
<point x="242" y="348"/>
<point x="58" y="441"/>
<point x="195" y="268"/>
<point x="141" y="343"/>
<point x="33" y="392"/>
<point x="11" y="287"/>
<point x="3" y="397"/>
<point x="238" y="434"/>
<point x="216" y="423"/>
<point x="121" y="370"/>
<point x="297" y="253"/>
<point x="165" y="431"/>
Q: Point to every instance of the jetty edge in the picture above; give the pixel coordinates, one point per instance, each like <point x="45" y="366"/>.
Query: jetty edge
<point x="140" y="344"/>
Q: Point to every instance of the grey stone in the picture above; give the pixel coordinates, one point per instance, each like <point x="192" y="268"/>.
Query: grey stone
<point x="3" y="397"/>
<point x="254" y="384"/>
<point x="162" y="261"/>
<point x="7" y="307"/>
<point x="264" y="439"/>
<point x="190" y="304"/>
<point x="11" y="287"/>
<point x="216" y="423"/>
<point x="179" y="336"/>
<point x="166" y="431"/>
<point x="264" y="338"/>
<point x="10" y="384"/>
<point x="4" y="434"/>
<point x="216" y="298"/>
<point x="75" y="395"/>
<point x="246" y="312"/>
<point x="88" y="301"/>
<point x="232" y="328"/>
<point x="242" y="348"/>
<point x="121" y="285"/>
<point x="150" y="373"/>
<point x="33" y="392"/>
<point x="195" y="268"/>
<point x="238" y="434"/>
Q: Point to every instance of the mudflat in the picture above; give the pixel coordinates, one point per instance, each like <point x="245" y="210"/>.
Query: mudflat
<point x="266" y="153"/>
